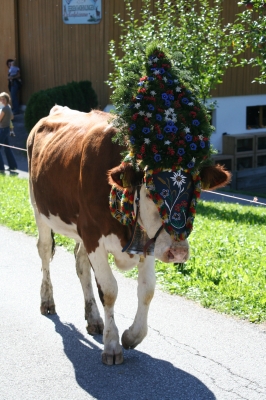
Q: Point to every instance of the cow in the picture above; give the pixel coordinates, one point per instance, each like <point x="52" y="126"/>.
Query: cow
<point x="72" y="163"/>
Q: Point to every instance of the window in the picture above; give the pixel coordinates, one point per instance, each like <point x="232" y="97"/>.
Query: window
<point x="256" y="117"/>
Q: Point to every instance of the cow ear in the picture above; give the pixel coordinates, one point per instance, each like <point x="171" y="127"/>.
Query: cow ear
<point x="124" y="176"/>
<point x="214" y="177"/>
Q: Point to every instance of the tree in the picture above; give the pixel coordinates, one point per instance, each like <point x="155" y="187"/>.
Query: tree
<point x="194" y="33"/>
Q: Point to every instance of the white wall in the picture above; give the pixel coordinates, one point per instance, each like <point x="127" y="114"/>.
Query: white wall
<point x="230" y="116"/>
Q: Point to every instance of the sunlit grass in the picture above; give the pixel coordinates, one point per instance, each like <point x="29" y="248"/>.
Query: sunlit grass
<point x="227" y="267"/>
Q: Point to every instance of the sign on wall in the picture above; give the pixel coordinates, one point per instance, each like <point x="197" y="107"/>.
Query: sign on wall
<point x="82" y="11"/>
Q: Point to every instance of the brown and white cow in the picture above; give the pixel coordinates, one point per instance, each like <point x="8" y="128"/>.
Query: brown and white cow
<point x="69" y="156"/>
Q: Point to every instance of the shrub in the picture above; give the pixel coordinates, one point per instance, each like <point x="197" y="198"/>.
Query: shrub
<point x="76" y="95"/>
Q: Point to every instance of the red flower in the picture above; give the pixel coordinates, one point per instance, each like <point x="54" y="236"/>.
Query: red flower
<point x="180" y="95"/>
<point x="154" y="148"/>
<point x="144" y="78"/>
<point x="161" y="85"/>
<point x="139" y="156"/>
<point x="159" y="77"/>
<point x="169" y="91"/>
<point x="135" y="116"/>
<point x="179" y="160"/>
<point x="142" y="90"/>
<point x="142" y="149"/>
<point x="193" y="114"/>
<point x="170" y="151"/>
<point x="177" y="104"/>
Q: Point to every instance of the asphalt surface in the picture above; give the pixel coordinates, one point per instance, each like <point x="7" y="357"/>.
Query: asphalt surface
<point x="190" y="353"/>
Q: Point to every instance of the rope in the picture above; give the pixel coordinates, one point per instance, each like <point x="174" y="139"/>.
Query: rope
<point x="12" y="147"/>
<point x="255" y="200"/>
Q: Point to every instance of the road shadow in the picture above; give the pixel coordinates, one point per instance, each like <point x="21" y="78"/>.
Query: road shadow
<point x="140" y="377"/>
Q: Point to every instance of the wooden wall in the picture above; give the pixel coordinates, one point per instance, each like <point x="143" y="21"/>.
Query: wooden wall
<point x="51" y="53"/>
<point x="8" y="34"/>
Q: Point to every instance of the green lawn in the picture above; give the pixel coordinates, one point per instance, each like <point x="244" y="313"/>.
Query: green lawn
<point x="227" y="267"/>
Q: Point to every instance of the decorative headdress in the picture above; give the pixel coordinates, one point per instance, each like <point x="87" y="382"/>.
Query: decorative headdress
<point x="167" y="130"/>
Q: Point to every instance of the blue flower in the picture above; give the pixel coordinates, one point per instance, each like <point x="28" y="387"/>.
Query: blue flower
<point x="164" y="96"/>
<point x="195" y="122"/>
<point x="158" y="117"/>
<point x="190" y="164"/>
<point x="132" y="139"/>
<point x="162" y="70"/>
<point x="170" y="122"/>
<point x="171" y="97"/>
<point x="170" y="82"/>
<point x="193" y="146"/>
<point x="180" y="151"/>
<point x="167" y="129"/>
<point x="167" y="103"/>
<point x="157" y="157"/>
<point x="146" y="130"/>
<point x="132" y="127"/>
<point x="140" y="83"/>
<point x="188" y="137"/>
<point x="139" y="97"/>
<point x="159" y="136"/>
<point x="164" y="193"/>
<point x="150" y="107"/>
<point x="150" y="78"/>
<point x="185" y="100"/>
<point x="202" y="144"/>
<point x="176" y="216"/>
<point x="174" y="129"/>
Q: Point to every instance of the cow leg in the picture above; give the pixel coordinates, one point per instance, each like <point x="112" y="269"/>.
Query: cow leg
<point x="83" y="266"/>
<point x="107" y="287"/>
<point x="45" y="248"/>
<point x="146" y="286"/>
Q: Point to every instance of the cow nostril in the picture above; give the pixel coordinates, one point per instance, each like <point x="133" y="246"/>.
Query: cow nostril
<point x="170" y="255"/>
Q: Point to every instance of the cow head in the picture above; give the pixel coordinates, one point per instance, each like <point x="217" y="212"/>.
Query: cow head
<point x="168" y="206"/>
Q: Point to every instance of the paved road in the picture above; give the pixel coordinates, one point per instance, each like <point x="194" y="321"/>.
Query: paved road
<point x="190" y="353"/>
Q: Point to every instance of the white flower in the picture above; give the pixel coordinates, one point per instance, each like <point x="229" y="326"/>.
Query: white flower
<point x="187" y="130"/>
<point x="174" y="119"/>
<point x="156" y="72"/>
<point x="151" y="187"/>
<point x="167" y="142"/>
<point x="137" y="105"/>
<point x="200" y="137"/>
<point x="171" y="110"/>
<point x="165" y="79"/>
<point x="155" y="59"/>
<point x="176" y="81"/>
<point x="178" y="179"/>
<point x="153" y="93"/>
<point x="149" y="62"/>
<point x="191" y="104"/>
<point x="178" y="89"/>
<point x="147" y="141"/>
<point x="193" y="159"/>
<point x="167" y="112"/>
<point x="141" y="113"/>
<point x="148" y="115"/>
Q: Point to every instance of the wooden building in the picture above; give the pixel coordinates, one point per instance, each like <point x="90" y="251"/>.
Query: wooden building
<point x="50" y="52"/>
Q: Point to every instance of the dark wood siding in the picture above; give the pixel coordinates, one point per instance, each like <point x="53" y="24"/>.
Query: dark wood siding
<point x="51" y="53"/>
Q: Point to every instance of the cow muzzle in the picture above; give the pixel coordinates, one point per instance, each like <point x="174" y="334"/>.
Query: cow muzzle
<point x="179" y="254"/>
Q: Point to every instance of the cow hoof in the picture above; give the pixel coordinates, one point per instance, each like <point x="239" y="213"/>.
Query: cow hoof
<point x="128" y="341"/>
<point x="111" y="359"/>
<point x="95" y="328"/>
<point x="47" y="308"/>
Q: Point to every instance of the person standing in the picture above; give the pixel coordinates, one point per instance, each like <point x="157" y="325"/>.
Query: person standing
<point x="14" y="84"/>
<point x="5" y="118"/>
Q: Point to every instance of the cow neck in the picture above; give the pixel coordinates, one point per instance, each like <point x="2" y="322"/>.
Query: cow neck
<point x="150" y="241"/>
